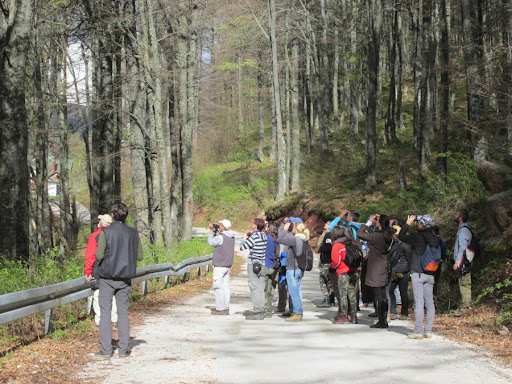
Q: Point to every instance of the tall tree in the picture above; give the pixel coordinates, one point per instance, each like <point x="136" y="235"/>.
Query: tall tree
<point x="16" y="22"/>
<point x="374" y="10"/>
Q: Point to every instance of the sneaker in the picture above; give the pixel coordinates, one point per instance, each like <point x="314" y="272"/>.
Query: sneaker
<point x="295" y="317"/>
<point x="342" y="320"/>
<point x="224" y="312"/>
<point x="403" y="317"/>
<point x="125" y="354"/>
<point x="417" y="336"/>
<point x="102" y="355"/>
<point x="255" y="316"/>
<point x="427" y="335"/>
<point x="267" y="315"/>
<point x="353" y="319"/>
<point x="394" y="316"/>
<point x="286" y="314"/>
<point x="324" y="304"/>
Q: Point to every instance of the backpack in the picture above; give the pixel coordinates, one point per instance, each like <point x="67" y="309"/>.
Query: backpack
<point x="305" y="259"/>
<point x="394" y="254"/>
<point x="430" y="259"/>
<point x="353" y="255"/>
<point x="473" y="249"/>
<point x="361" y="244"/>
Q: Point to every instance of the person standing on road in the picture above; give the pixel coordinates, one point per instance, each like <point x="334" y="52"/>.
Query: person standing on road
<point x="118" y="250"/>
<point x="422" y="283"/>
<point x="461" y="264"/>
<point x="376" y="276"/>
<point x="272" y="265"/>
<point x="293" y="238"/>
<point x="256" y="242"/>
<point x="90" y="260"/>
<point x="324" y="264"/>
<point x="223" y="239"/>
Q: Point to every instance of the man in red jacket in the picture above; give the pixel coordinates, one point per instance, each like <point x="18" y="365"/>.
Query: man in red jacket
<point x="90" y="259"/>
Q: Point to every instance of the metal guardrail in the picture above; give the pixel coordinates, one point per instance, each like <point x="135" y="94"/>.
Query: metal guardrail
<point x="17" y="305"/>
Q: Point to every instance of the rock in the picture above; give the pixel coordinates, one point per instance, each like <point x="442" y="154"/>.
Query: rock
<point x="503" y="331"/>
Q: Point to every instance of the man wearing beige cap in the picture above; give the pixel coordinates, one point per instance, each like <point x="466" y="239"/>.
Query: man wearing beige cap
<point x="90" y="259"/>
<point x="223" y="239"/>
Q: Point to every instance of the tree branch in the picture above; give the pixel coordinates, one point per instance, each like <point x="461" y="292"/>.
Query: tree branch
<point x="257" y="21"/>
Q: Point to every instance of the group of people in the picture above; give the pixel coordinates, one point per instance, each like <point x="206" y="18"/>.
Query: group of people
<point x="390" y="255"/>
<point x="110" y="264"/>
<point x="390" y="259"/>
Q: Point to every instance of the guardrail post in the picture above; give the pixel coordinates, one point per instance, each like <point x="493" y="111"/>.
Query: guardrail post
<point x="185" y="277"/>
<point x="89" y="304"/>
<point x="166" y="281"/>
<point x="145" y="287"/>
<point x="199" y="272"/>
<point x="48" y="324"/>
<point x="207" y="268"/>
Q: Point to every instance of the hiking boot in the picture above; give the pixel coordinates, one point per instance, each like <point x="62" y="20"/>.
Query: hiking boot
<point x="267" y="315"/>
<point x="286" y="314"/>
<point x="224" y="312"/>
<point x="353" y="319"/>
<point x="324" y="304"/>
<point x="394" y="316"/>
<point x="294" y="317"/>
<point x="403" y="317"/>
<point x="379" y="325"/>
<point x="427" y="335"/>
<point x="255" y="316"/>
<point x="374" y="314"/>
<point x="460" y="312"/>
<point x="342" y="320"/>
<point x="125" y="354"/>
<point x="102" y="355"/>
<point x="417" y="336"/>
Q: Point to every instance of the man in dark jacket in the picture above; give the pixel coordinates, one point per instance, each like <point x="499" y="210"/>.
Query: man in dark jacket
<point x="117" y="253"/>
<point x="422" y="283"/>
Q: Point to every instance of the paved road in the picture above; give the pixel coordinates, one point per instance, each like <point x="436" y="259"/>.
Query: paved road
<point x="185" y="344"/>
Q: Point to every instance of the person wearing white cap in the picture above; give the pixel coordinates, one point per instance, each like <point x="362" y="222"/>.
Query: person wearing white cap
<point x="90" y="260"/>
<point x="223" y="239"/>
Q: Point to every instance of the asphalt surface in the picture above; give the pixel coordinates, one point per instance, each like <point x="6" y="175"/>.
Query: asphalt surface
<point x="186" y="344"/>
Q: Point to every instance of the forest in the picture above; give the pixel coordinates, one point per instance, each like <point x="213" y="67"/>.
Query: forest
<point x="341" y="101"/>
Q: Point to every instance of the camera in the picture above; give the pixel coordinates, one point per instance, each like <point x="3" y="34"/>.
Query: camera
<point x="216" y="229"/>
<point x="290" y="228"/>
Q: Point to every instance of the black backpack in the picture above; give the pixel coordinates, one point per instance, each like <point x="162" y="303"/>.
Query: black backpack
<point x="353" y="255"/>
<point x="474" y="246"/>
<point x="305" y="259"/>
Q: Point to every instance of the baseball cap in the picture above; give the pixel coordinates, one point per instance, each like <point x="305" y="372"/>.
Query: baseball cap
<point x="426" y="220"/>
<point x="295" y="219"/>
<point x="226" y="223"/>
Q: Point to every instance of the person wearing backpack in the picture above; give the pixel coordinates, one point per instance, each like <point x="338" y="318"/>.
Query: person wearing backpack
<point x="272" y="266"/>
<point x="462" y="265"/>
<point x="422" y="280"/>
<point x="400" y="276"/>
<point x="324" y="249"/>
<point x="293" y="237"/>
<point x="376" y="276"/>
<point x="342" y="245"/>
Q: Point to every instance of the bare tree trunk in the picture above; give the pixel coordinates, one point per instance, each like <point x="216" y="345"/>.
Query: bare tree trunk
<point x="281" y="150"/>
<point x="473" y="55"/>
<point x="240" y="102"/>
<point x="261" y="114"/>
<point x="42" y="208"/>
<point x="445" y="86"/>
<point x="294" y="88"/>
<point x="374" y="8"/>
<point x="335" y="76"/>
<point x="15" y="34"/>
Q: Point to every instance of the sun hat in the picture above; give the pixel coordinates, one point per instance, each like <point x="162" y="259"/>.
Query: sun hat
<point x="226" y="223"/>
<point x="426" y="220"/>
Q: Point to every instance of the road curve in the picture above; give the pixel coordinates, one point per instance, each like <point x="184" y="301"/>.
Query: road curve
<point x="186" y="344"/>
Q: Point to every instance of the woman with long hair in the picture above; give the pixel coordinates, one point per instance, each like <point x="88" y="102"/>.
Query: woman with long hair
<point x="377" y="273"/>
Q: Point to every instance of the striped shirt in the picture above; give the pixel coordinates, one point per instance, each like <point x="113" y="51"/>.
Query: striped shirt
<point x="256" y="243"/>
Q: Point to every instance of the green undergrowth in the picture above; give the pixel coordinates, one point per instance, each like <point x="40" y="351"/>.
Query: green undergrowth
<point x="51" y="269"/>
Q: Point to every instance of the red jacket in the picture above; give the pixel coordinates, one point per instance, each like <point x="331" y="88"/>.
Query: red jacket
<point x="90" y="257"/>
<point x="338" y="254"/>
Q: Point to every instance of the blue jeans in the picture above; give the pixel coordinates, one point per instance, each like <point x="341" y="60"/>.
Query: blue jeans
<point x="293" y="279"/>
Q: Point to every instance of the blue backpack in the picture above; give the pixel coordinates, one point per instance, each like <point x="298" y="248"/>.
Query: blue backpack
<point x="430" y="259"/>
